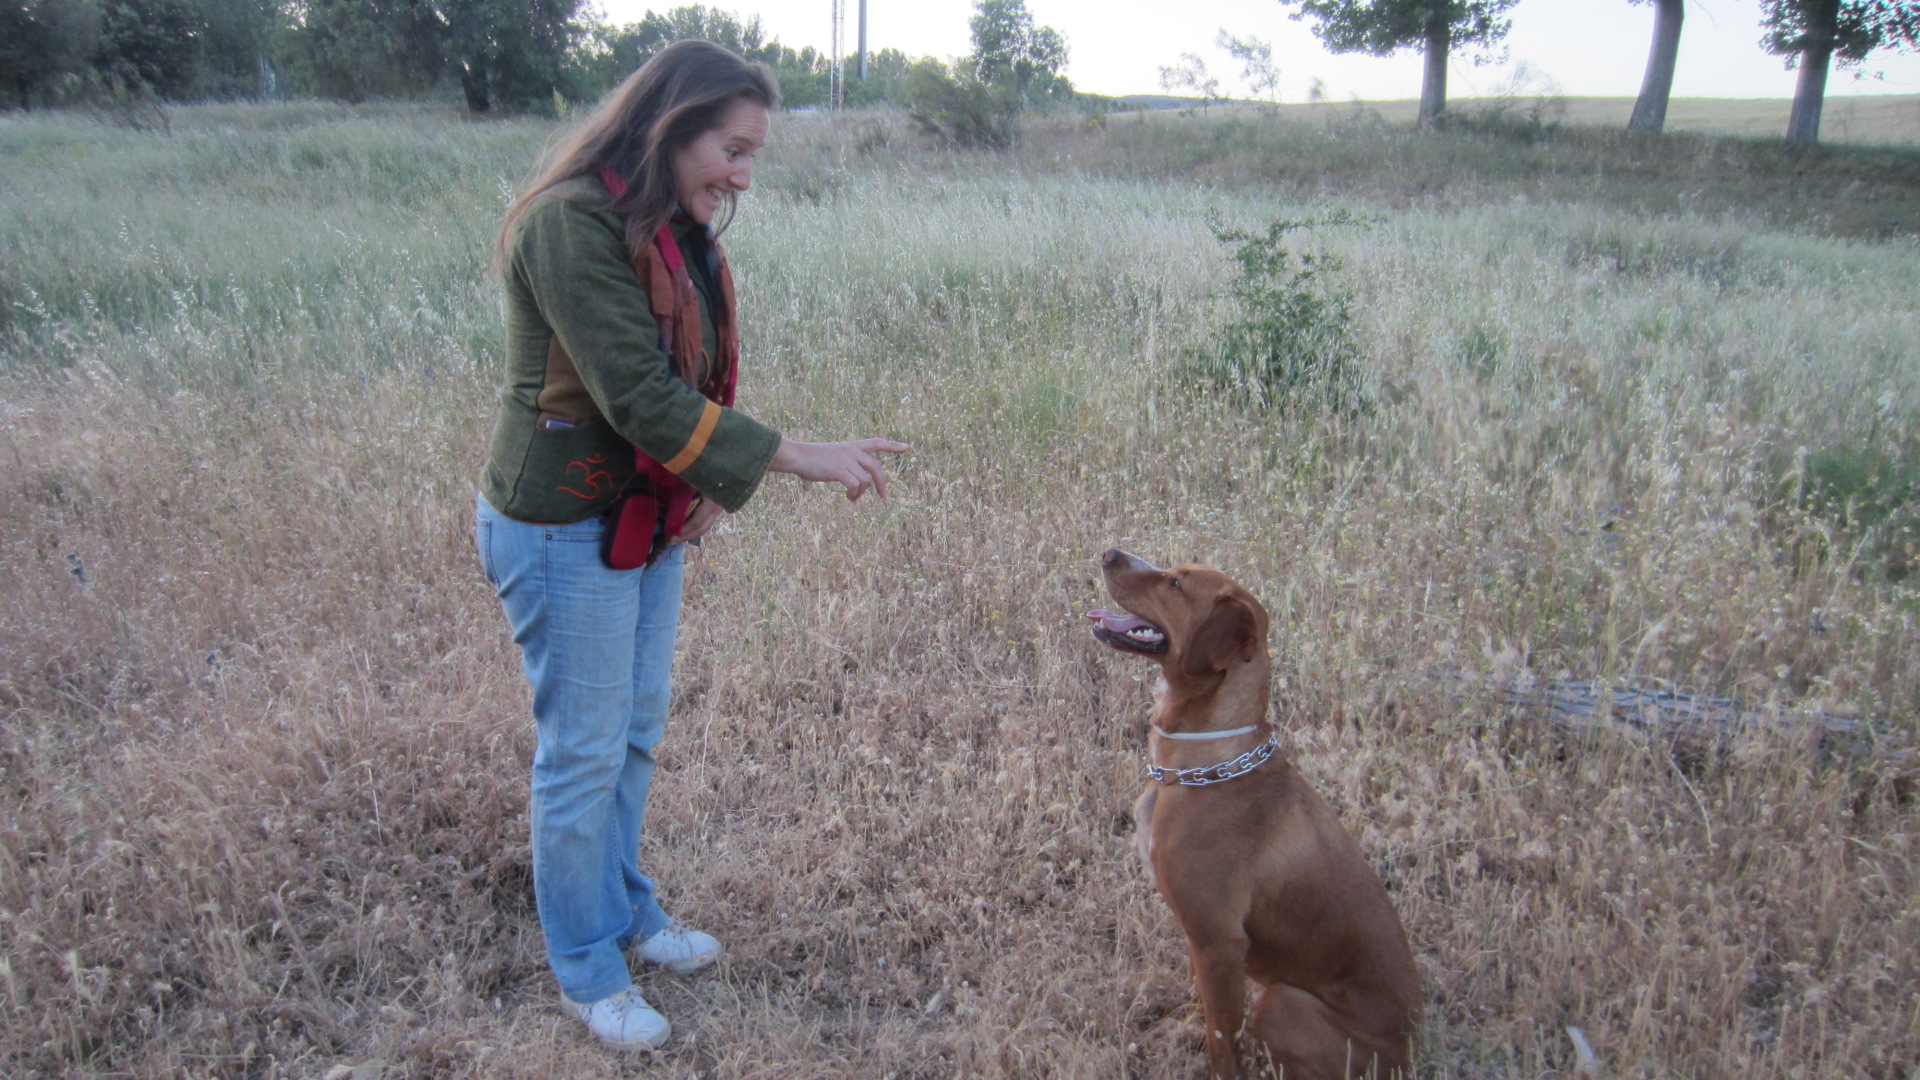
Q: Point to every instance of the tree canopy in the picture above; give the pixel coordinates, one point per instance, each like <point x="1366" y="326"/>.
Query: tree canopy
<point x="1384" y="27"/>
<point x="1856" y="28"/>
<point x="1812" y="34"/>
<point x="44" y="43"/>
<point x="1009" y="50"/>
<point x="611" y="52"/>
<point x="1016" y="66"/>
<point x="511" y="52"/>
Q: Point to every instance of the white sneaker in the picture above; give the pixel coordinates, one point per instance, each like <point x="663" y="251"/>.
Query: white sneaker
<point x="679" y="949"/>
<point x="624" y="1021"/>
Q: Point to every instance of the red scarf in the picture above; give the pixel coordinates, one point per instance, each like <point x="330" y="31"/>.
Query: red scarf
<point x="641" y="520"/>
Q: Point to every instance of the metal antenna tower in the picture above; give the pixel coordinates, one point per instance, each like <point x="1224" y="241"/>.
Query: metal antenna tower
<point x="836" y="79"/>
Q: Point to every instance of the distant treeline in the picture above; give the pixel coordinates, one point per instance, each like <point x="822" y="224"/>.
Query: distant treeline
<point x="539" y="55"/>
<point x="520" y="55"/>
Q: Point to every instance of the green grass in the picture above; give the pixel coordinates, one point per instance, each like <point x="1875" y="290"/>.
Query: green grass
<point x="1639" y="409"/>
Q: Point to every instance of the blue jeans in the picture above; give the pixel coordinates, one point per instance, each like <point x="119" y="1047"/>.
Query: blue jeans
<point x="597" y="646"/>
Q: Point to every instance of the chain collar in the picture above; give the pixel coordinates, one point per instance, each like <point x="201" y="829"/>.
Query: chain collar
<point x="1214" y="774"/>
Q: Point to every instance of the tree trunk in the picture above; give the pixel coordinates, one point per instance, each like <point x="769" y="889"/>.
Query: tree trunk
<point x="1433" y="88"/>
<point x="1650" y="111"/>
<point x="473" y="83"/>
<point x="1816" y="55"/>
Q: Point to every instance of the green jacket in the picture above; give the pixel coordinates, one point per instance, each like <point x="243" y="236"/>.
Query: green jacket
<point x="587" y="381"/>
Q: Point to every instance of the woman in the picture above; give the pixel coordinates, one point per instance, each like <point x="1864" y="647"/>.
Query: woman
<point x="621" y="357"/>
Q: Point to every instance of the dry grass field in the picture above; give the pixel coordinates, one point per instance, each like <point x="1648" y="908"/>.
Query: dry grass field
<point x="1849" y="119"/>
<point x="1639" y="412"/>
<point x="1886" y="119"/>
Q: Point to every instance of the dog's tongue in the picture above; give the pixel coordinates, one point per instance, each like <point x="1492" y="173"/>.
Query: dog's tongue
<point x="1119" y="622"/>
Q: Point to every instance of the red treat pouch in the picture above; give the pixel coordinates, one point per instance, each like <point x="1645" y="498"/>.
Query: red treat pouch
<point x="633" y="522"/>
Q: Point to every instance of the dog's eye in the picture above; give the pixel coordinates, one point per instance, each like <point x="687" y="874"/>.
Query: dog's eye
<point x="1173" y="583"/>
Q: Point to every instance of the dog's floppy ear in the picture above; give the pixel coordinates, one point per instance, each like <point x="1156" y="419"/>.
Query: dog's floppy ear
<point x="1228" y="635"/>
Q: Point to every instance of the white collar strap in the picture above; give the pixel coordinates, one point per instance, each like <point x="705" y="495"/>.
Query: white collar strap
<point x="1204" y="734"/>
<point x="1214" y="774"/>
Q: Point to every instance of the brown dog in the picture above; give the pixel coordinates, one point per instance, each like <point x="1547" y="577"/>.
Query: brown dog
<point x="1263" y="878"/>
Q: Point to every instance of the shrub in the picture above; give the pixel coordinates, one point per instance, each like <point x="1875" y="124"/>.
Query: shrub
<point x="1290" y="344"/>
<point x="1527" y="108"/>
<point x="1873" y="495"/>
<point x="961" y="108"/>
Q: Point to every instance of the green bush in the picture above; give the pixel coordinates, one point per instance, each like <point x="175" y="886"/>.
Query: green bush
<point x="1873" y="495"/>
<point x="961" y="108"/>
<point x="1289" y="345"/>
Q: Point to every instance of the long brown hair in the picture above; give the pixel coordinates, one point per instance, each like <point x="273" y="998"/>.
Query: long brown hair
<point x="671" y="100"/>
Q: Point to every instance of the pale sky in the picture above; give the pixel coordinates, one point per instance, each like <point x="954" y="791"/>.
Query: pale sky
<point x="1585" y="47"/>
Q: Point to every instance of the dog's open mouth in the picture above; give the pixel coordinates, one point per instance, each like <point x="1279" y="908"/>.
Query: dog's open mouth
<point x="1126" y="631"/>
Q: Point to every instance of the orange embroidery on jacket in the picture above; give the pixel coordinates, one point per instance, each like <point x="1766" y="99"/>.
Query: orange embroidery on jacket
<point x="592" y="476"/>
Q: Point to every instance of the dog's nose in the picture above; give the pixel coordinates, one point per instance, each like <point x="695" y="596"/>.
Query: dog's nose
<point x="1116" y="559"/>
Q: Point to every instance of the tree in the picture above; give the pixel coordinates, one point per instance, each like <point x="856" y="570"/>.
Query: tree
<point x="356" y="49"/>
<point x="1384" y="27"/>
<point x="1257" y="69"/>
<point x="614" y="52"/>
<point x="886" y="79"/>
<point x="236" y="42"/>
<point x="507" y="50"/>
<point x="1191" y="74"/>
<point x="1009" y="51"/>
<point x="632" y="45"/>
<point x="1650" y="109"/>
<point x="150" y="45"/>
<point x="806" y="78"/>
<point x="512" y="52"/>
<point x="1812" y="33"/>
<point x="957" y="106"/>
<point x="1015" y="67"/>
<point x="42" y="43"/>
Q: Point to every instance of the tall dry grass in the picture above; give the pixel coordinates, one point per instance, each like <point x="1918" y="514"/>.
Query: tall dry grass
<point x="264" y="746"/>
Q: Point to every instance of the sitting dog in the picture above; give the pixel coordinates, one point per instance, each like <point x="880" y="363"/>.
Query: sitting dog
<point x="1256" y="867"/>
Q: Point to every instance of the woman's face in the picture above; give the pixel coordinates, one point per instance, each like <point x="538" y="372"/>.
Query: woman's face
<point x="719" y="162"/>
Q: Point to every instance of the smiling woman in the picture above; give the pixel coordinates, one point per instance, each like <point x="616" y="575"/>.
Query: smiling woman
<point x="616" y="442"/>
<point x="716" y="168"/>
